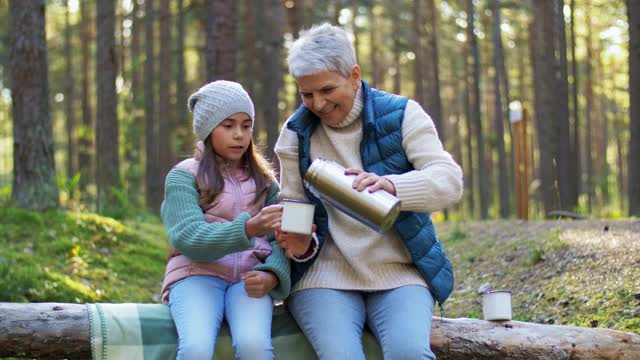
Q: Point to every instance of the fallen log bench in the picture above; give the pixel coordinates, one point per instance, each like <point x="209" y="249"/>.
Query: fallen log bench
<point x="146" y="331"/>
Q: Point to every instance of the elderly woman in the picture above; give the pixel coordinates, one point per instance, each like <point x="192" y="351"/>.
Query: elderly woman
<point x="347" y="274"/>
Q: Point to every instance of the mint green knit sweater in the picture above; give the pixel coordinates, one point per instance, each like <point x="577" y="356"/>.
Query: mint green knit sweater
<point x="199" y="240"/>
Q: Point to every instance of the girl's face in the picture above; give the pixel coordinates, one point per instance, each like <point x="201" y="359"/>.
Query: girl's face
<point x="330" y="95"/>
<point x="232" y="137"/>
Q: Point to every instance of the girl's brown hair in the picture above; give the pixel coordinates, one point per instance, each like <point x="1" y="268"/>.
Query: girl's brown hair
<point x="210" y="180"/>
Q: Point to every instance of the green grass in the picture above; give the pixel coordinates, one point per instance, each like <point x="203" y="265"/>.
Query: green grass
<point x="80" y="257"/>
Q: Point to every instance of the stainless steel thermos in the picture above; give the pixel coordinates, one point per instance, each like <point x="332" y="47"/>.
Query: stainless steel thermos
<point x="327" y="180"/>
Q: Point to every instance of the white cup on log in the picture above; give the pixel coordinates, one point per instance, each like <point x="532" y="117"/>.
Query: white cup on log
<point x="496" y="305"/>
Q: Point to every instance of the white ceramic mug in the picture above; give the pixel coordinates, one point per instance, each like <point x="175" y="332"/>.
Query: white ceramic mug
<point x="496" y="305"/>
<point x="297" y="216"/>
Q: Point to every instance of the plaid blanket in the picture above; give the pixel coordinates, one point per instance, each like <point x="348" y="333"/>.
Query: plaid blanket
<point x="146" y="331"/>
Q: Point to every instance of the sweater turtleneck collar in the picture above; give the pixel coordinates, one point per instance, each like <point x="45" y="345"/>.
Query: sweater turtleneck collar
<point x="356" y="111"/>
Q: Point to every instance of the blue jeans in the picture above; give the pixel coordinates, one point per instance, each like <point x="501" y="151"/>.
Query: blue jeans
<point x="198" y="304"/>
<point x="332" y="321"/>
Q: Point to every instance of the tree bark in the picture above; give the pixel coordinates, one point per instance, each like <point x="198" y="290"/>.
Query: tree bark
<point x="470" y="183"/>
<point x="54" y="330"/>
<point x="576" y="169"/>
<point x="375" y="67"/>
<point x="69" y="98"/>
<point x="165" y="153"/>
<point x="153" y="184"/>
<point x="221" y="40"/>
<point x="296" y="20"/>
<point x="107" y="154"/>
<point x="85" y="138"/>
<point x="588" y="146"/>
<point x="396" y="47"/>
<point x="133" y="129"/>
<point x="483" y="184"/>
<point x="435" y="109"/>
<point x="34" y="184"/>
<point x="182" y="115"/>
<point x="354" y="25"/>
<point x="44" y="330"/>
<point x="498" y="60"/>
<point x="633" y="11"/>
<point x="544" y="66"/>
<point x="272" y="73"/>
<point x="562" y="114"/>
<point x="418" y="49"/>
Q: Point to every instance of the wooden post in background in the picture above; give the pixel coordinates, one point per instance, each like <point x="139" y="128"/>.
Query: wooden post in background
<point x="518" y="117"/>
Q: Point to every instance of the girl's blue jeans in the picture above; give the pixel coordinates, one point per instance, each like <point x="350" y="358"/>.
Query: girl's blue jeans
<point x="198" y="305"/>
<point x="332" y="321"/>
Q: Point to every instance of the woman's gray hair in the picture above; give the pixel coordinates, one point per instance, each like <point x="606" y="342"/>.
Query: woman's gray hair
<point x="322" y="48"/>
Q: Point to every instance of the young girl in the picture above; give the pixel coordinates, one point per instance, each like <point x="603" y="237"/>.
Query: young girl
<point x="218" y="209"/>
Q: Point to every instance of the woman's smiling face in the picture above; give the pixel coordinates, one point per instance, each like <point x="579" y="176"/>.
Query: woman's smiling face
<point x="330" y="95"/>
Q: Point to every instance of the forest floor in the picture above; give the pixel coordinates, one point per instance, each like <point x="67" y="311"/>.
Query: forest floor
<point x="581" y="272"/>
<point x="572" y="272"/>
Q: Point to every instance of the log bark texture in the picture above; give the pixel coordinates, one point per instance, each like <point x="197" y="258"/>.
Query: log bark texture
<point x="58" y="330"/>
<point x="44" y="331"/>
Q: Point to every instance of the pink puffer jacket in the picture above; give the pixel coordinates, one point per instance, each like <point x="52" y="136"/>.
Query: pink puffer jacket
<point x="238" y="195"/>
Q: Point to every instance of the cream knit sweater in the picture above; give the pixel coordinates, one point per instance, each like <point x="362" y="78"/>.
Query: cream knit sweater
<point x="354" y="257"/>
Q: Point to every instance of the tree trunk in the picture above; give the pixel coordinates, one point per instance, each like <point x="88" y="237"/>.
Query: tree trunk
<point x="107" y="158"/>
<point x="153" y="183"/>
<point x="544" y="65"/>
<point x="588" y="143"/>
<point x="483" y="185"/>
<point x="295" y="17"/>
<point x="55" y="330"/>
<point x="466" y="90"/>
<point x="221" y="40"/>
<point x="69" y="98"/>
<point x="498" y="59"/>
<point x="272" y="73"/>
<point x="602" y="142"/>
<point x="34" y="183"/>
<point x="562" y="114"/>
<point x="576" y="169"/>
<point x="395" y="29"/>
<point x="418" y="48"/>
<point x="633" y="12"/>
<point x="165" y="153"/>
<point x="435" y="109"/>
<point x="354" y="26"/>
<point x="85" y="140"/>
<point x="375" y="67"/>
<point x="181" y="120"/>
<point x="133" y="130"/>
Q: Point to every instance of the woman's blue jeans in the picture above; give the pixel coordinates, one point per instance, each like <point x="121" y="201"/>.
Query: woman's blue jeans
<point x="198" y="305"/>
<point x="332" y="321"/>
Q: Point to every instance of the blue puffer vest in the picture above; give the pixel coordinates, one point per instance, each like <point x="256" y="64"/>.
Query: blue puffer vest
<point x="382" y="153"/>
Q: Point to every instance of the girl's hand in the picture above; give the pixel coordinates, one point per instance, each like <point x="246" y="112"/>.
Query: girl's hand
<point x="266" y="221"/>
<point x="364" y="179"/>
<point x="259" y="283"/>
<point x="295" y="245"/>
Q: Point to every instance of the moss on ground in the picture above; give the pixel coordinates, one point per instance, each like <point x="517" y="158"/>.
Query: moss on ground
<point x="80" y="257"/>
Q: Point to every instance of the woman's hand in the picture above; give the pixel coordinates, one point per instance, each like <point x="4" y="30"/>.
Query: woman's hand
<point x="259" y="283"/>
<point x="364" y="179"/>
<point x="266" y="221"/>
<point x="295" y="245"/>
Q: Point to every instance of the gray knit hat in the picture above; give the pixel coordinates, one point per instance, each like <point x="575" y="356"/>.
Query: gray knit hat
<point x="215" y="102"/>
